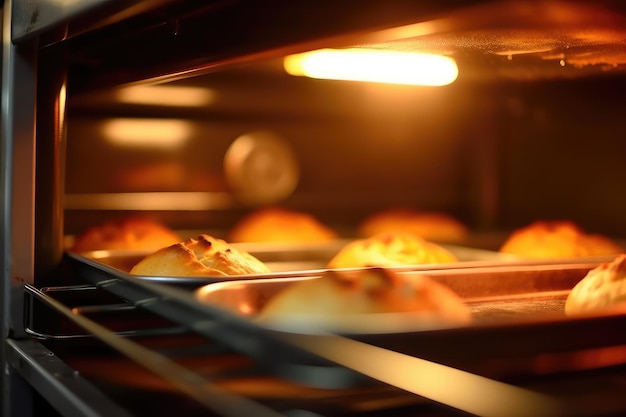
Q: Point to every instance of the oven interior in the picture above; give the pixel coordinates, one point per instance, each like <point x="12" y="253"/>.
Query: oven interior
<point x="523" y="98"/>
<point x="530" y="130"/>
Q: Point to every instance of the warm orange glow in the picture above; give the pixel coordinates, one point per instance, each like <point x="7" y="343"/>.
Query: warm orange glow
<point x="181" y="201"/>
<point x="374" y="65"/>
<point x="152" y="133"/>
<point x="163" y="95"/>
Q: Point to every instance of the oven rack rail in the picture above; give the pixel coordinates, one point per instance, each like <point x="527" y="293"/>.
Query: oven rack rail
<point x="326" y="365"/>
<point x="184" y="314"/>
<point x="162" y="362"/>
<point x="178" y="305"/>
<point x="213" y="398"/>
<point x="194" y="385"/>
<point x="326" y="361"/>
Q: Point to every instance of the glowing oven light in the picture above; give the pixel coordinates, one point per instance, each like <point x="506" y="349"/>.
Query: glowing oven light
<point x="374" y="65"/>
<point x="151" y="133"/>
<point x="166" y="95"/>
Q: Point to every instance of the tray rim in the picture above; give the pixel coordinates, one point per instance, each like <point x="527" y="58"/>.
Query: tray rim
<point x="90" y="259"/>
<point x="201" y="291"/>
<point x="272" y="347"/>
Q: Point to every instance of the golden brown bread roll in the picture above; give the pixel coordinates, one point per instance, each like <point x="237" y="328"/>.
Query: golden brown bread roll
<point x="368" y="291"/>
<point x="127" y="233"/>
<point x="204" y="256"/>
<point x="602" y="287"/>
<point x="557" y="239"/>
<point x="428" y="225"/>
<point x="280" y="225"/>
<point x="390" y="249"/>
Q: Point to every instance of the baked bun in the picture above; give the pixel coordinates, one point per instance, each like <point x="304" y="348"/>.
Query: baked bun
<point x="204" y="256"/>
<point x="390" y="249"/>
<point x="280" y="225"/>
<point x="602" y="287"/>
<point x="428" y="225"/>
<point x="339" y="294"/>
<point x="125" y="234"/>
<point x="557" y="239"/>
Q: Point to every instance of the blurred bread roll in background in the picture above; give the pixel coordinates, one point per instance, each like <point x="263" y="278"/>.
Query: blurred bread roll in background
<point x="368" y="291"/>
<point x="276" y="224"/>
<point x="125" y="234"/>
<point x="603" y="287"/>
<point x="557" y="239"/>
<point x="390" y="249"/>
<point x="428" y="225"/>
<point x="203" y="256"/>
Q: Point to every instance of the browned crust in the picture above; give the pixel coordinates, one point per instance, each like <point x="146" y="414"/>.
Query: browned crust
<point x="276" y="224"/>
<point x="203" y="256"/>
<point x="427" y="225"/>
<point x="126" y="233"/>
<point x="557" y="239"/>
<point x="367" y="291"/>
<point x="603" y="287"/>
<point x="390" y="249"/>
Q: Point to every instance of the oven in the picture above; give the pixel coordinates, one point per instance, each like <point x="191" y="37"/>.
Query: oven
<point x="188" y="112"/>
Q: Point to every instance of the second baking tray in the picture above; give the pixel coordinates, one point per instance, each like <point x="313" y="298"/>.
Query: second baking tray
<point x="519" y="326"/>
<point x="533" y="336"/>
<point x="289" y="260"/>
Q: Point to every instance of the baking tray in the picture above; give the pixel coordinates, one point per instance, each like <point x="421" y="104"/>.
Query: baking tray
<point x="508" y="339"/>
<point x="284" y="260"/>
<point x="492" y="293"/>
<point x="116" y="264"/>
<point x="519" y="327"/>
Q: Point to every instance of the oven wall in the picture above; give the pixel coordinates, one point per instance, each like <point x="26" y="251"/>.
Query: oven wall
<point x="563" y="152"/>
<point x="496" y="155"/>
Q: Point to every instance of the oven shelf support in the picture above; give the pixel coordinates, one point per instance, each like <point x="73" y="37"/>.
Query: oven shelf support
<point x="63" y="388"/>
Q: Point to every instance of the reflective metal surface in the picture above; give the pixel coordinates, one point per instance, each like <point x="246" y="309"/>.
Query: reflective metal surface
<point x="68" y="17"/>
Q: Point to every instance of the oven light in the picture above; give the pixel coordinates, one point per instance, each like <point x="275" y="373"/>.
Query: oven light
<point x="147" y="133"/>
<point x="182" y="201"/>
<point x="161" y="95"/>
<point x="374" y="65"/>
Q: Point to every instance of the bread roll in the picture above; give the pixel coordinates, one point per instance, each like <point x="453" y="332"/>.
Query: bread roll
<point x="126" y="234"/>
<point x="602" y="287"/>
<point x="337" y="294"/>
<point x="280" y="225"/>
<point x="390" y="249"/>
<point x="428" y="225"/>
<point x="557" y="239"/>
<point x="204" y="256"/>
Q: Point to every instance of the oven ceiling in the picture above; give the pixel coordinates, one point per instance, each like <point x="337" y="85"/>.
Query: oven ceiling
<point x="523" y="40"/>
<point x="519" y="40"/>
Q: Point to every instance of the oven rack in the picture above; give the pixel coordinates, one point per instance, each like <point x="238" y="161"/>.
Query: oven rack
<point x="191" y="384"/>
<point x="179" y="307"/>
<point x="215" y="399"/>
<point x="326" y="361"/>
<point x="194" y="385"/>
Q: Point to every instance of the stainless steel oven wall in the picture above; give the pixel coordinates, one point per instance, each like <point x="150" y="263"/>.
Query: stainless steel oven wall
<point x="489" y="148"/>
<point x="561" y="153"/>
<point x="360" y="147"/>
<point x="34" y="90"/>
<point x="33" y="141"/>
<point x="498" y="154"/>
<point x="18" y="168"/>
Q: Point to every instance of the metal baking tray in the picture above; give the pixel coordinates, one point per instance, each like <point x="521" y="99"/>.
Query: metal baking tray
<point x="284" y="260"/>
<point x="492" y="293"/>
<point x="518" y="328"/>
